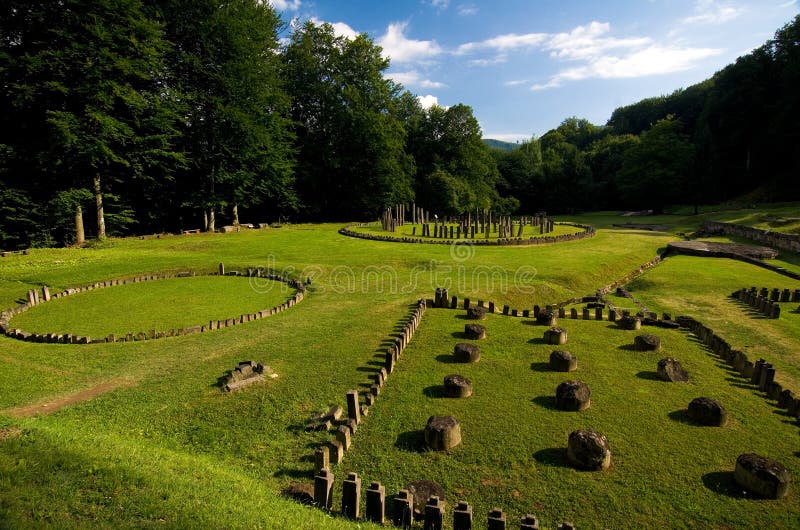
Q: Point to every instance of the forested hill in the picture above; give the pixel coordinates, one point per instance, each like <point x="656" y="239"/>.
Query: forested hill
<point x="734" y="134"/>
<point x="500" y="144"/>
<point x="163" y="115"/>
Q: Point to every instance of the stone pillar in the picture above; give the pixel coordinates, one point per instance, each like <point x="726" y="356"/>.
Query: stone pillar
<point x="376" y="503"/>
<point x="497" y="520"/>
<point x="462" y="516"/>
<point x="529" y="522"/>
<point x="454" y="302"/>
<point x="775" y="295"/>
<point x="323" y="489"/>
<point x="786" y="295"/>
<point x="351" y="496"/>
<point x="505" y="309"/>
<point x="491" y="307"/>
<point x="612" y="315"/>
<point x="598" y="313"/>
<point x="466" y="303"/>
<point x="434" y="514"/>
<point x="573" y="313"/>
<point x="755" y="378"/>
<point x="403" y="515"/>
<point x="343" y="436"/>
<point x="222" y="269"/>
<point x="585" y="313"/>
<point x="352" y="406"/>
<point x="562" y="312"/>
<point x="336" y="451"/>
<point x="31" y="298"/>
<point x="321" y="459"/>
<point x="46" y="293"/>
<point x="767" y="376"/>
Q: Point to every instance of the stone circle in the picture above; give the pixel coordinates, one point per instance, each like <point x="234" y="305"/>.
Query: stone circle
<point x="630" y="323"/>
<point x="474" y="331"/>
<point x="563" y="361"/>
<point x="707" y="411"/>
<point x="556" y="336"/>
<point x="476" y="313"/>
<point x="588" y="450"/>
<point x="762" y="475"/>
<point x="457" y="386"/>
<point x="465" y="352"/>
<point x="647" y="342"/>
<point x="573" y="396"/>
<point x="670" y="370"/>
<point x="442" y="433"/>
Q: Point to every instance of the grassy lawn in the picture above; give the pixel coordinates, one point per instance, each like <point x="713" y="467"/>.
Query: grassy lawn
<point x="514" y="442"/>
<point x="161" y="305"/>
<point x="168" y="448"/>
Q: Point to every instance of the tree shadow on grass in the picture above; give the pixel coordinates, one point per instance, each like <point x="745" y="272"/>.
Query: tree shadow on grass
<point x="722" y="482"/>
<point x="547" y="402"/>
<point x="447" y="359"/>
<point x="541" y="367"/>
<point x="411" y="441"/>
<point x="681" y="416"/>
<point x="434" y="391"/>
<point x="553" y="457"/>
<point x="627" y="347"/>
<point x="647" y="375"/>
<point x="293" y="473"/>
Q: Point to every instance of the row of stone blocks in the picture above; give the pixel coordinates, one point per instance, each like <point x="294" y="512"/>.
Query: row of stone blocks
<point x="34" y="298"/>
<point x="760" y="373"/>
<point x="402" y="514"/>
<point x="334" y="451"/>
<point x="769" y="307"/>
<point x="588" y="231"/>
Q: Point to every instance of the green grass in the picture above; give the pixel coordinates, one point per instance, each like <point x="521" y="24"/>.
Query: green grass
<point x="161" y="305"/>
<point x="512" y="454"/>
<point x="170" y="449"/>
<point x="415" y="230"/>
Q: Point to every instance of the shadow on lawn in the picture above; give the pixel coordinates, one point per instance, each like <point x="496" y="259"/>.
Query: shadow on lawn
<point x="554" y="457"/>
<point x="722" y="482"/>
<point x="649" y="376"/>
<point x="458" y="335"/>
<point x="446" y="359"/>
<point x="434" y="391"/>
<point x="627" y="347"/>
<point x="547" y="402"/>
<point x="541" y="367"/>
<point x="681" y="416"/>
<point x="411" y="441"/>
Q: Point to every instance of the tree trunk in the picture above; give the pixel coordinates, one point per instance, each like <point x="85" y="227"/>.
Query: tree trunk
<point x="98" y="195"/>
<point x="211" y="221"/>
<point x="80" y="238"/>
<point x="205" y="220"/>
<point x="235" y="215"/>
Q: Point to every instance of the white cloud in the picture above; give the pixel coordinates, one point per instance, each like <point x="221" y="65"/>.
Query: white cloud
<point x="712" y="12"/>
<point x="498" y="59"/>
<point x="427" y="101"/>
<point x="653" y="60"/>
<point x="340" y="29"/>
<point x="413" y="78"/>
<point x="587" y="41"/>
<point x="504" y="43"/>
<point x="466" y="10"/>
<point x="285" y="5"/>
<point x="516" y="82"/>
<point x="441" y="5"/>
<point x="401" y="49"/>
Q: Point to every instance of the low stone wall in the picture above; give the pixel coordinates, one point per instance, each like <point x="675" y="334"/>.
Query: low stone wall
<point x="766" y="301"/>
<point x="36" y="297"/>
<point x="586" y="231"/>
<point x="767" y="237"/>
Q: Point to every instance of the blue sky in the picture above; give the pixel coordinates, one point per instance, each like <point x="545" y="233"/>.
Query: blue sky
<point x="526" y="65"/>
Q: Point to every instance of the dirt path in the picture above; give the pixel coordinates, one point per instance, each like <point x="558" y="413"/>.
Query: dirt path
<point x="46" y="407"/>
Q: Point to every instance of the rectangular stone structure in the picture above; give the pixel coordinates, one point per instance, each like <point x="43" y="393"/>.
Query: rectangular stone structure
<point x="506" y="309"/>
<point x="529" y="522"/>
<point x="462" y="516"/>
<point x="598" y="313"/>
<point x="321" y="459"/>
<point x="403" y="509"/>
<point x="336" y="451"/>
<point x="573" y="313"/>
<point x="491" y="307"/>
<point x="586" y="313"/>
<point x="352" y="406"/>
<point x="343" y="436"/>
<point x="496" y="520"/>
<point x="323" y="489"/>
<point x="351" y="496"/>
<point x="376" y="503"/>
<point x="434" y="514"/>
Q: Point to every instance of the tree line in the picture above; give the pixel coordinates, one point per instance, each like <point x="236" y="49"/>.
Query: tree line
<point x="731" y="136"/>
<point x="142" y="116"/>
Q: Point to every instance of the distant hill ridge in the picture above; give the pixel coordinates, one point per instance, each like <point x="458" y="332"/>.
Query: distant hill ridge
<point x="500" y="144"/>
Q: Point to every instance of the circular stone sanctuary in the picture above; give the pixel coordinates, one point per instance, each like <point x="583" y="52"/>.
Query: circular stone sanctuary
<point x="150" y="307"/>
